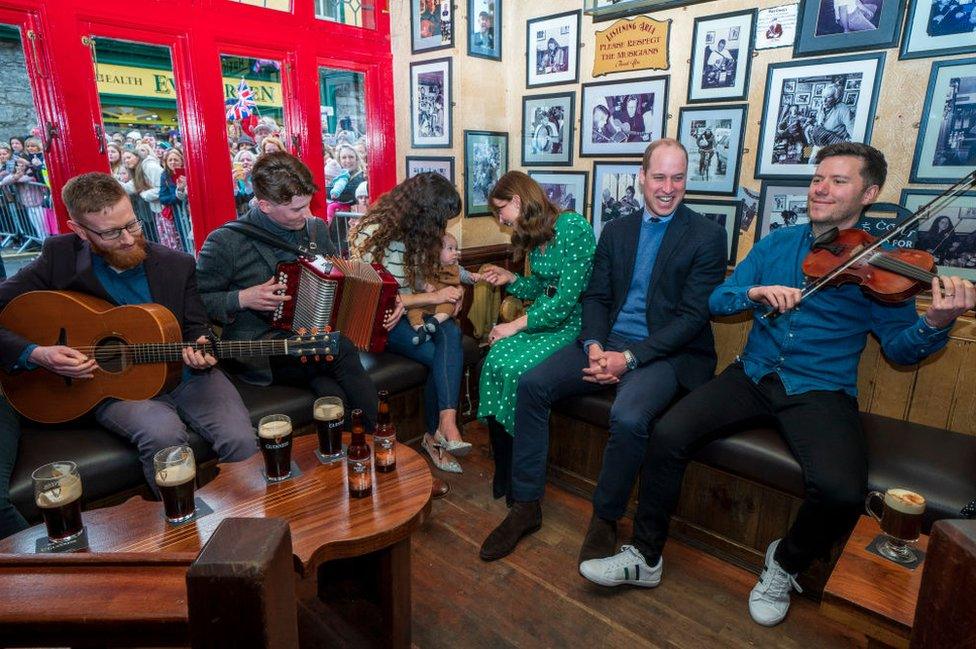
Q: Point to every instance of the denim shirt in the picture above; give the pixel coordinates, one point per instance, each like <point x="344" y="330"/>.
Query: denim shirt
<point x="817" y="345"/>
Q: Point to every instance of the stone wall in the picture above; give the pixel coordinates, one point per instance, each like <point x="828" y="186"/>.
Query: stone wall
<point x="17" y="115"/>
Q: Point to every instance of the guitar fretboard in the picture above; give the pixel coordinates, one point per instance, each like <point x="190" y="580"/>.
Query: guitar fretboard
<point x="173" y="352"/>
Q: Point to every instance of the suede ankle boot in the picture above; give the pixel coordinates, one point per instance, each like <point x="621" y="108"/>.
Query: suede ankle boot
<point x="523" y="518"/>
<point x="600" y="540"/>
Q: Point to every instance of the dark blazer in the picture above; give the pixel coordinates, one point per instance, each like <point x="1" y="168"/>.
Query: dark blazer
<point x="65" y="264"/>
<point x="689" y="265"/>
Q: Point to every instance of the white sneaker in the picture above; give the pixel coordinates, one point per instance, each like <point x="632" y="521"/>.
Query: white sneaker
<point x="770" y="598"/>
<point x="626" y="567"/>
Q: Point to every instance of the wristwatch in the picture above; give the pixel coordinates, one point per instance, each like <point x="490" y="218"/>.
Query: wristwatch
<point x="630" y="358"/>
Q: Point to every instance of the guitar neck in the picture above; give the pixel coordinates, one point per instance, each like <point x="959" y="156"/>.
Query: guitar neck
<point x="173" y="352"/>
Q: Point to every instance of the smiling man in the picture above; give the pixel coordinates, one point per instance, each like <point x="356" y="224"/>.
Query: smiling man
<point x="799" y="370"/>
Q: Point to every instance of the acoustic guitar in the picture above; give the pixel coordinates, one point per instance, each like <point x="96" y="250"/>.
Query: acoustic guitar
<point x="138" y="349"/>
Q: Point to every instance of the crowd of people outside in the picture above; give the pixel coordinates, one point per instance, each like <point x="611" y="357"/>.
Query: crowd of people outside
<point x="26" y="216"/>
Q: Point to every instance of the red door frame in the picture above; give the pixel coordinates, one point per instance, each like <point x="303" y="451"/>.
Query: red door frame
<point x="197" y="33"/>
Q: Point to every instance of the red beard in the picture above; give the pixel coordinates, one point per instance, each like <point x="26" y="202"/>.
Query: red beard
<point x="123" y="259"/>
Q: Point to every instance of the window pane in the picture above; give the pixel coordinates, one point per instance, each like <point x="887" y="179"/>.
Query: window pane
<point x="343" y="108"/>
<point x="359" y="13"/>
<point x="277" y="5"/>
<point x="143" y="143"/>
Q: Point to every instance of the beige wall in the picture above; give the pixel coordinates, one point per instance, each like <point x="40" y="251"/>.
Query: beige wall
<point x="488" y="95"/>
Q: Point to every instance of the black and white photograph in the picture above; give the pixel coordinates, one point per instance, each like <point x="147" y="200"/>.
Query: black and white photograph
<point x="547" y="129"/>
<point x="430" y="104"/>
<point x="939" y="28"/>
<point x="946" y="146"/>
<point x="485" y="29"/>
<point x="728" y="214"/>
<point x="616" y="192"/>
<point x="781" y="204"/>
<point x="443" y="165"/>
<point x="552" y="43"/>
<point x="485" y="161"/>
<point x="613" y="9"/>
<point x="846" y="16"/>
<point x="713" y="139"/>
<point x="622" y="117"/>
<point x="950" y="234"/>
<point x="721" y="56"/>
<point x="566" y="189"/>
<point x="835" y="26"/>
<point x="811" y="104"/>
<point x="776" y="27"/>
<point x="431" y="25"/>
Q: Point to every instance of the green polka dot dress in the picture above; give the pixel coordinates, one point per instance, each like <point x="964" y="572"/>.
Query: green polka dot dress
<point x="553" y="322"/>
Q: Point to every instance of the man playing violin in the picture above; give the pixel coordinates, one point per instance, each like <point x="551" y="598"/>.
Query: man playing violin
<point x="798" y="370"/>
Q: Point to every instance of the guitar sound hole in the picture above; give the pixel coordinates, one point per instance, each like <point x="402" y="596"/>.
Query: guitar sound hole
<point x="109" y="354"/>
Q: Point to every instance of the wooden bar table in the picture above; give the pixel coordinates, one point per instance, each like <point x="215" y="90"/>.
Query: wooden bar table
<point x="327" y="527"/>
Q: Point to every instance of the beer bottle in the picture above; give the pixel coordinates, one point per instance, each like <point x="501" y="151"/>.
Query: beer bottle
<point x="384" y="437"/>
<point x="358" y="460"/>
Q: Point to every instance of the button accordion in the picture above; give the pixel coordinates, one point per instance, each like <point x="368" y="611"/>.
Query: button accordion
<point x="349" y="296"/>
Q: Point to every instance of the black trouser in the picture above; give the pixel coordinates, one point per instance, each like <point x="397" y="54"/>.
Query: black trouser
<point x="822" y="429"/>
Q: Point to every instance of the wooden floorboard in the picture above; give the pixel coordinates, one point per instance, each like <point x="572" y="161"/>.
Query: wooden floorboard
<point x="536" y="597"/>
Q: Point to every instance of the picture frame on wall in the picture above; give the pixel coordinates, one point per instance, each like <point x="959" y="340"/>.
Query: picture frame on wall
<point x="776" y="27"/>
<point x="834" y="26"/>
<point x="485" y="161"/>
<point x="781" y="204"/>
<point x="485" y="29"/>
<point x="728" y="214"/>
<point x="566" y="189"/>
<point x="946" y="147"/>
<point x="713" y="137"/>
<point x="950" y="233"/>
<point x="547" y="129"/>
<point x="616" y="192"/>
<point x="812" y="103"/>
<point x="602" y="10"/>
<point x="937" y="28"/>
<point x="552" y="47"/>
<point x="721" y="57"/>
<point x="431" y="25"/>
<point x="443" y="165"/>
<point x="431" y="101"/>
<point x="620" y="118"/>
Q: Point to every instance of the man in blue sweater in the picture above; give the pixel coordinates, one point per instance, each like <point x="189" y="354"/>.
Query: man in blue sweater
<point x="645" y="331"/>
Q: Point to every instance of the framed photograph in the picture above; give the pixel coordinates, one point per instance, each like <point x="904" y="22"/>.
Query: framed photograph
<point x="946" y="147"/>
<point x="728" y="214"/>
<point x="616" y="192"/>
<point x="797" y="122"/>
<point x="431" y="25"/>
<point x="567" y="189"/>
<point x="443" y="165"/>
<point x="721" y="57"/>
<point x="612" y="9"/>
<point x="485" y="161"/>
<point x="620" y="118"/>
<point x="485" y="29"/>
<point x="552" y="47"/>
<point x="781" y="204"/>
<point x="430" y="104"/>
<point x="938" y="28"/>
<point x="776" y="27"/>
<point x="834" y="26"/>
<point x="713" y="138"/>
<point x="547" y="129"/>
<point x="950" y="234"/>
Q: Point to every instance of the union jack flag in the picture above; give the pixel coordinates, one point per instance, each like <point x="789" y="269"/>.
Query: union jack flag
<point x="244" y="105"/>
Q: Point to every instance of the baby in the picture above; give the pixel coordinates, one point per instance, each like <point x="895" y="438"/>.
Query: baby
<point x="425" y="320"/>
<point x="337" y="178"/>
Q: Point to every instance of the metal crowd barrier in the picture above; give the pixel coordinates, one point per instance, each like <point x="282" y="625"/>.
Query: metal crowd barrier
<point x="181" y="217"/>
<point x="22" y="215"/>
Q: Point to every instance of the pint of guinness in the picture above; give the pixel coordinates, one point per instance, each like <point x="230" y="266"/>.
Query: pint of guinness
<point x="175" y="476"/>
<point x="329" y="414"/>
<point x="57" y="493"/>
<point x="274" y="438"/>
<point x="900" y="521"/>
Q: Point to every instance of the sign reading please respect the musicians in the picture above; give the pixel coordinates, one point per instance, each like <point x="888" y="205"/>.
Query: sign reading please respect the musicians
<point x="639" y="43"/>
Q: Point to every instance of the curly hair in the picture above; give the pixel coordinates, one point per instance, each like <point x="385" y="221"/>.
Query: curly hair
<point x="537" y="218"/>
<point x="415" y="213"/>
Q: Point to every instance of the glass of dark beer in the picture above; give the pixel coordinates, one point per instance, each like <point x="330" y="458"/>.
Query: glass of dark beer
<point x="330" y="415"/>
<point x="176" y="473"/>
<point x="57" y="492"/>
<point x="274" y="438"/>
<point x="900" y="520"/>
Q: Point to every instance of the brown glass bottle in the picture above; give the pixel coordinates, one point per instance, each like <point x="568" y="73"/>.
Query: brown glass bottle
<point x="359" y="469"/>
<point x="384" y="437"/>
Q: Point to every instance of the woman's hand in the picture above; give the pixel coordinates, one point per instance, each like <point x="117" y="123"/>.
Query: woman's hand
<point x="450" y="294"/>
<point x="497" y="276"/>
<point x="506" y="329"/>
<point x="394" y="317"/>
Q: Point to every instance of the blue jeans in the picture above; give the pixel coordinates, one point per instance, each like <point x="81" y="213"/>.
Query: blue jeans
<point x="10" y="519"/>
<point x="444" y="359"/>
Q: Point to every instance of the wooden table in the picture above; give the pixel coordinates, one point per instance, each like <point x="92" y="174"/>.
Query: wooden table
<point x="326" y="526"/>
<point x="871" y="594"/>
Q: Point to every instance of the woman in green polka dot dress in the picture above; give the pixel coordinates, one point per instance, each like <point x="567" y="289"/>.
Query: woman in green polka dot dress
<point x="560" y="249"/>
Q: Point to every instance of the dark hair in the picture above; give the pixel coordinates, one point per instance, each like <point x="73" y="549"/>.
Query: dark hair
<point x="656" y="144"/>
<point x="279" y="177"/>
<point x="874" y="168"/>
<point x="91" y="193"/>
<point x="415" y="213"/>
<point x="721" y="41"/>
<point x="537" y="219"/>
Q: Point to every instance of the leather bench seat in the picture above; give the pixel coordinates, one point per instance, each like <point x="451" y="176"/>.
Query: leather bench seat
<point x="935" y="462"/>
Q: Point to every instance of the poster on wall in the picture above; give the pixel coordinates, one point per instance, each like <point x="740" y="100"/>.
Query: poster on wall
<point x="713" y="138"/>
<point x="834" y="26"/>
<point x="938" y="28"/>
<point x="622" y="117"/>
<point x="430" y="104"/>
<point x="946" y="146"/>
<point x="776" y="27"/>
<point x="431" y="25"/>
<point x="485" y="161"/>
<point x="552" y="44"/>
<point x="640" y="43"/>
<point x="547" y="129"/>
<point x="781" y="204"/>
<point x="813" y="103"/>
<point x="443" y="165"/>
<point x="566" y="189"/>
<point x="721" y="57"/>
<point x="616" y="192"/>
<point x="485" y="29"/>
<point x="949" y="234"/>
